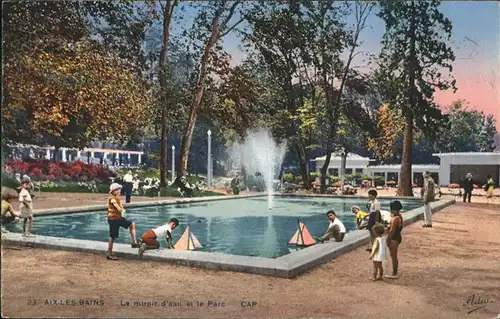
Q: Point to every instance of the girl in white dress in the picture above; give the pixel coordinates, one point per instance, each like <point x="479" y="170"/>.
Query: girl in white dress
<point x="379" y="252"/>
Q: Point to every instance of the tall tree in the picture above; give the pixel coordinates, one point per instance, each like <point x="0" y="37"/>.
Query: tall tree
<point x="167" y="13"/>
<point x="215" y="18"/>
<point x="333" y="38"/>
<point x="414" y="53"/>
<point x="281" y="36"/>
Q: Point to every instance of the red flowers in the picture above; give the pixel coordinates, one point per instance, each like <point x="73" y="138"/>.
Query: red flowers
<point x="45" y="170"/>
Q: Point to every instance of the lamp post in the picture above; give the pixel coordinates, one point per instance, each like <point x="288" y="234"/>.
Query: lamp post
<point x="209" y="159"/>
<point x="173" y="163"/>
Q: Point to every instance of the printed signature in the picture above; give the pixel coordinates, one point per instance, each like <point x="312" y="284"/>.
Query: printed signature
<point x="476" y="302"/>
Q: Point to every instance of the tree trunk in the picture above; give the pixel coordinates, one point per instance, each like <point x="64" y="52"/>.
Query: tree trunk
<point x="405" y="187"/>
<point x="167" y="19"/>
<point x="324" y="171"/>
<point x="343" y="160"/>
<point x="200" y="88"/>
<point x="304" y="169"/>
<point x="163" y="148"/>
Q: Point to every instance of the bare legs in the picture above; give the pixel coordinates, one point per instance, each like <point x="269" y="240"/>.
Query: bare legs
<point x="110" y="248"/>
<point x="28" y="225"/>
<point x="377" y="269"/>
<point x="132" y="234"/>
<point x="393" y="248"/>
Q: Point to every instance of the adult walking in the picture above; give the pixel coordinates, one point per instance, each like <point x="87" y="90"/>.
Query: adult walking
<point x="468" y="186"/>
<point x="135" y="184"/>
<point x="489" y="188"/>
<point x="128" y="180"/>
<point x="428" y="197"/>
<point x="394" y="237"/>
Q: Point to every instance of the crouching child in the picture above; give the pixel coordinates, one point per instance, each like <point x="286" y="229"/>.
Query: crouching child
<point x="149" y="240"/>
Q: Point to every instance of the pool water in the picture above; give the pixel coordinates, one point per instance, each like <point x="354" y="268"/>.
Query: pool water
<point x="236" y="226"/>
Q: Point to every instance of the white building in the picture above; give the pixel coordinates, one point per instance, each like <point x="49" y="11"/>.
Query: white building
<point x="453" y="167"/>
<point x="355" y="164"/>
<point x="94" y="155"/>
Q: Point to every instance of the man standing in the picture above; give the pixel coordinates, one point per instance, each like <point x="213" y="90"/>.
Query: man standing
<point x="468" y="186"/>
<point x="128" y="180"/>
<point x="336" y="228"/>
<point x="427" y="197"/>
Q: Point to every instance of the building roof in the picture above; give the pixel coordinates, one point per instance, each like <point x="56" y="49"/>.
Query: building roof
<point x="467" y="154"/>
<point x="86" y="149"/>
<point x="422" y="166"/>
<point x="337" y="156"/>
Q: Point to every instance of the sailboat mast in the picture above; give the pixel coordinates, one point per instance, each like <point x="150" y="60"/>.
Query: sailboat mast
<point x="301" y="236"/>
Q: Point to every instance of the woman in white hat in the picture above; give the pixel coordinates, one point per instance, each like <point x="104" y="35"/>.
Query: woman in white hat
<point x="116" y="219"/>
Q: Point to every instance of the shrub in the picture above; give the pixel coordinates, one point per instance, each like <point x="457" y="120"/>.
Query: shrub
<point x="62" y="171"/>
<point x="315" y="175"/>
<point x="288" y="177"/>
<point x="10" y="182"/>
<point x="334" y="179"/>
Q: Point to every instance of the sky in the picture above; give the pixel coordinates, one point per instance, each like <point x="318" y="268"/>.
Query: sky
<point x="476" y="43"/>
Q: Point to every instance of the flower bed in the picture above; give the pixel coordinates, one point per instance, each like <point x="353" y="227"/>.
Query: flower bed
<point x="60" y="171"/>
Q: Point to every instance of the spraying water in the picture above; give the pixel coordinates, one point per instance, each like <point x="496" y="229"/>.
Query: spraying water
<point x="259" y="153"/>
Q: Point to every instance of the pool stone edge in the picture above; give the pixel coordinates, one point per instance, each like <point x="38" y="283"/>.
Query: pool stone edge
<point x="288" y="266"/>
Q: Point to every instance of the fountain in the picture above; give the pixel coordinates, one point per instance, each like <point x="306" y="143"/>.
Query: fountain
<point x="259" y="153"/>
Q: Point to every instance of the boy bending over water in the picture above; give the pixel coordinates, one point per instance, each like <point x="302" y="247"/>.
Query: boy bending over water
<point x="149" y="240"/>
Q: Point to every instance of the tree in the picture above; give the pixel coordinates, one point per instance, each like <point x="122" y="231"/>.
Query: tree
<point x="281" y="37"/>
<point x="70" y="95"/>
<point x="216" y="18"/>
<point x="390" y="126"/>
<point x="335" y="107"/>
<point x="469" y="130"/>
<point x="52" y="67"/>
<point x="414" y="53"/>
<point x="167" y="12"/>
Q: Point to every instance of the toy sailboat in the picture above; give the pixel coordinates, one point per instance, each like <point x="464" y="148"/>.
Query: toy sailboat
<point x="302" y="237"/>
<point x="188" y="241"/>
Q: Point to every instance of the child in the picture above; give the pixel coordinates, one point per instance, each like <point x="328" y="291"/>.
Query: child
<point x="149" y="240"/>
<point x="379" y="252"/>
<point x="361" y="217"/>
<point x="394" y="237"/>
<point x="26" y="207"/>
<point x="8" y="214"/>
<point x="375" y="216"/>
<point x="116" y="219"/>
